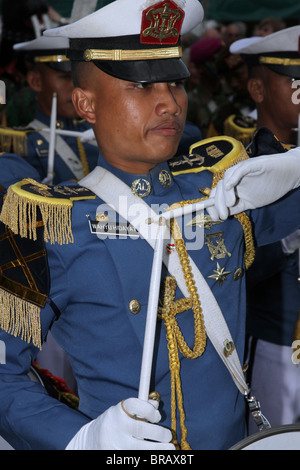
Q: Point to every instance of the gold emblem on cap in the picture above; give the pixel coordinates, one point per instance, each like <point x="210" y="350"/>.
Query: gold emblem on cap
<point x="165" y="178"/>
<point x="163" y="21"/>
<point x="134" y="306"/>
<point x="141" y="187"/>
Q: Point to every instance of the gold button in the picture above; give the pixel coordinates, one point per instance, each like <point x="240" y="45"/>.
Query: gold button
<point x="134" y="306"/>
<point x="154" y="396"/>
<point x="238" y="274"/>
<point x="228" y="348"/>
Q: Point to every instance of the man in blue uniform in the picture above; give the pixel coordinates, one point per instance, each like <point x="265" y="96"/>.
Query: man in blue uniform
<point x="49" y="73"/>
<point x="273" y="286"/>
<point x="94" y="242"/>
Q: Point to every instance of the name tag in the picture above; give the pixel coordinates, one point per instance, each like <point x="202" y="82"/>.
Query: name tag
<point x="113" y="229"/>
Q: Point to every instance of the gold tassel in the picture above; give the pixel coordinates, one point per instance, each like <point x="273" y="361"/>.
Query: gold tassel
<point x="20" y="318"/>
<point x="12" y="140"/>
<point x="19" y="213"/>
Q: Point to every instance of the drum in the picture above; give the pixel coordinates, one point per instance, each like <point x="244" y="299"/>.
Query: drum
<point x="280" y="438"/>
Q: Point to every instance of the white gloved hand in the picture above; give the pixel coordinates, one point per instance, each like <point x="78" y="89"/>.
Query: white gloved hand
<point x="115" y="429"/>
<point x="88" y="136"/>
<point x="254" y="183"/>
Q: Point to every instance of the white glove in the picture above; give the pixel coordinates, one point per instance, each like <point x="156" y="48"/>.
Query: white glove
<point x="88" y="136"/>
<point x="115" y="429"/>
<point x="255" y="182"/>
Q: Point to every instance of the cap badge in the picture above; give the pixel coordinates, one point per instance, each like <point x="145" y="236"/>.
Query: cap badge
<point x="161" y="23"/>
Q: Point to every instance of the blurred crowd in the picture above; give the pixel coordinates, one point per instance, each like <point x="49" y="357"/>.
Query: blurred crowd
<point x="21" y="21"/>
<point x="217" y="87"/>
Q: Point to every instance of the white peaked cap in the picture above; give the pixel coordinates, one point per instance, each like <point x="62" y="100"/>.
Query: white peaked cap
<point x="122" y="18"/>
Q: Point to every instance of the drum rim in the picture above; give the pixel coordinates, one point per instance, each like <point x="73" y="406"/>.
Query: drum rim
<point x="266" y="433"/>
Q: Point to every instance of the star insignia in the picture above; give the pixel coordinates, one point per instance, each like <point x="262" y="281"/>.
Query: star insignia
<point x="219" y="275"/>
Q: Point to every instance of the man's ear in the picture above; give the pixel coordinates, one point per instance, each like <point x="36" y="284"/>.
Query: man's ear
<point x="34" y="80"/>
<point x="83" y="104"/>
<point x="256" y="89"/>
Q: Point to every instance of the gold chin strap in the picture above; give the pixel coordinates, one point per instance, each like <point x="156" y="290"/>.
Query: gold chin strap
<point x="139" y="54"/>
<point x="278" y="61"/>
<point x="51" y="58"/>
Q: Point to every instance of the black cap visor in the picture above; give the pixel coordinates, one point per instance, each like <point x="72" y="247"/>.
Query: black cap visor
<point x="140" y="71"/>
<point x="64" y="66"/>
<point x="146" y="71"/>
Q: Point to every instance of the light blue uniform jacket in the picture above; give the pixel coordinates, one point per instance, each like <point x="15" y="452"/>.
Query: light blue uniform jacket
<point x="92" y="283"/>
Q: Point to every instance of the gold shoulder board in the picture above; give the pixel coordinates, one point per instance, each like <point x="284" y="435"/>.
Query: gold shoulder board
<point x="240" y="127"/>
<point x="20" y="206"/>
<point x="215" y="154"/>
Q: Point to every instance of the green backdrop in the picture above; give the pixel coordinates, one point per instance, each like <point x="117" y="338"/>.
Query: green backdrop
<point x="252" y="10"/>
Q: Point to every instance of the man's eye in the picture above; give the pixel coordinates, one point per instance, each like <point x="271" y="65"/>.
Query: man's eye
<point x="177" y="83"/>
<point x="143" y="85"/>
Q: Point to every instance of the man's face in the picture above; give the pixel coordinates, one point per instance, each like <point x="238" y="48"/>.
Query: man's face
<point x="61" y="83"/>
<point x="136" y="125"/>
<point x="278" y="93"/>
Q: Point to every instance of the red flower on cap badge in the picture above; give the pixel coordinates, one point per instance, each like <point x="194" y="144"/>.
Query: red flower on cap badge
<point x="161" y="23"/>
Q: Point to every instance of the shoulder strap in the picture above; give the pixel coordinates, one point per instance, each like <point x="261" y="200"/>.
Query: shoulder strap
<point x="63" y="149"/>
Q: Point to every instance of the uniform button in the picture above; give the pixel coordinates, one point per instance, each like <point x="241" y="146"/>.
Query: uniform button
<point x="134" y="306"/>
<point x="238" y="274"/>
<point x="154" y="396"/>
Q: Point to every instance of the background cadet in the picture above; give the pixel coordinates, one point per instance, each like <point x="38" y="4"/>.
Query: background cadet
<point x="273" y="287"/>
<point x="50" y="72"/>
<point x="96" y="303"/>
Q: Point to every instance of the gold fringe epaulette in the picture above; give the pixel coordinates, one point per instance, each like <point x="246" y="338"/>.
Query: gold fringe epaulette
<point x="20" y="318"/>
<point x="14" y="140"/>
<point x="240" y="127"/>
<point x="55" y="203"/>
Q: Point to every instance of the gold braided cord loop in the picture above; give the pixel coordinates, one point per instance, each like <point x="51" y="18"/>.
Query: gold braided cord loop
<point x="249" y="243"/>
<point x="171" y="308"/>
<point x="175" y="338"/>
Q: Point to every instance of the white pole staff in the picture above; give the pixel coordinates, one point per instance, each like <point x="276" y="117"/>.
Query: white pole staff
<point x="151" y="319"/>
<point x="51" y="155"/>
